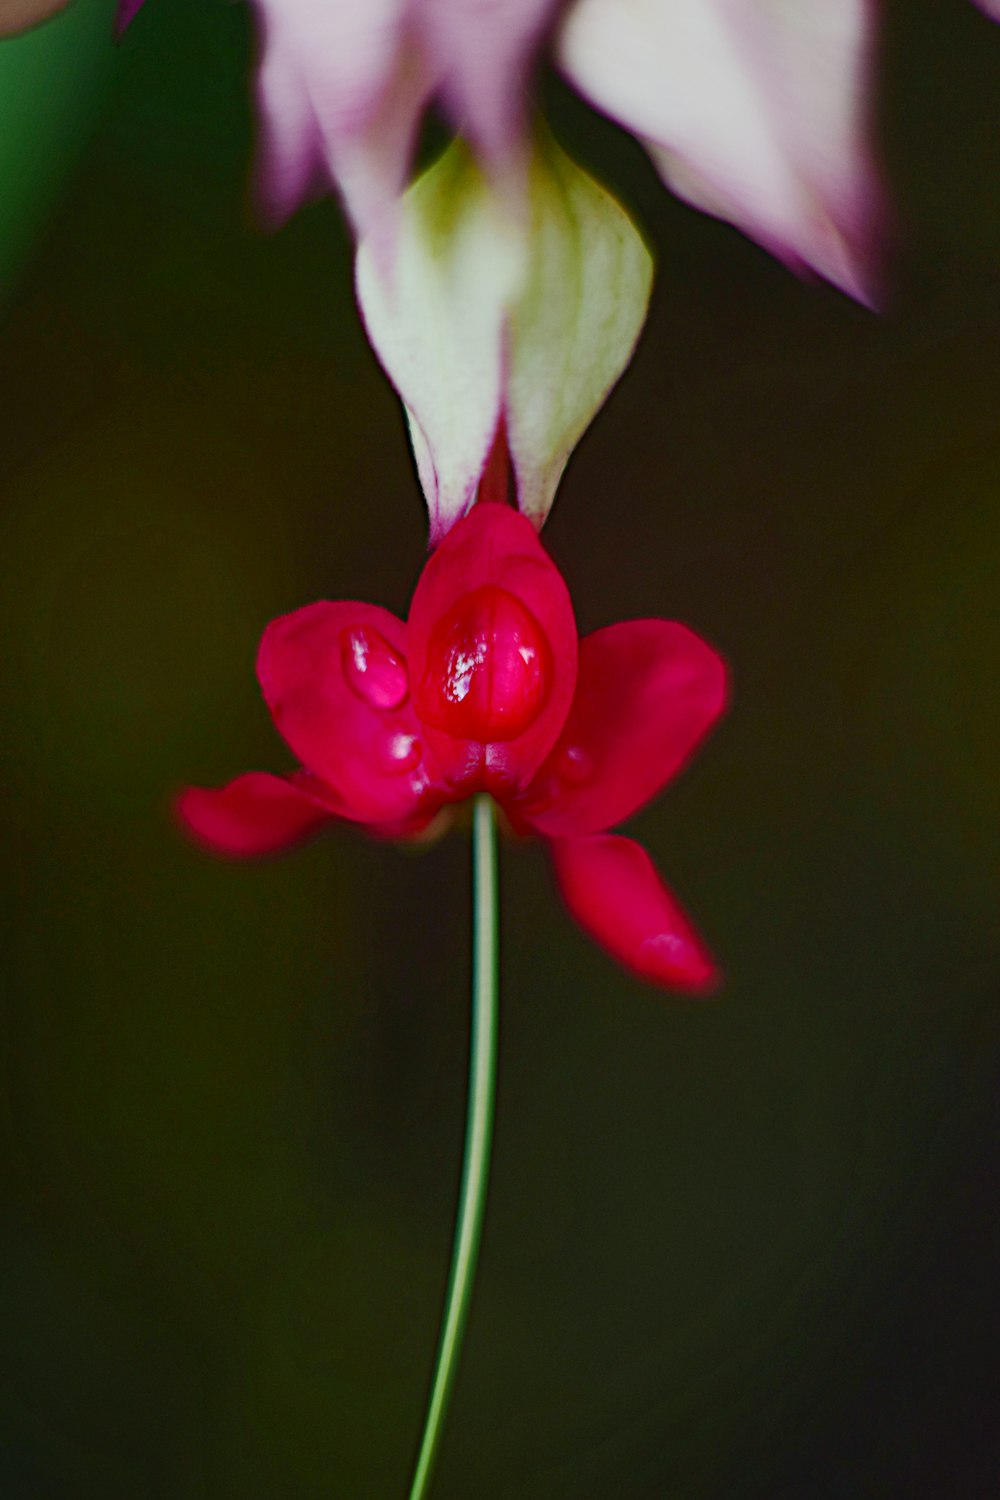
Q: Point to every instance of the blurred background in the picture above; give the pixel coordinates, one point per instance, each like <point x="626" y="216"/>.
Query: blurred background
<point x="744" y="1249"/>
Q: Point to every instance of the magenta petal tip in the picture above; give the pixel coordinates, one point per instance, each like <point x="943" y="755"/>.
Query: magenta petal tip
<point x="125" y="15"/>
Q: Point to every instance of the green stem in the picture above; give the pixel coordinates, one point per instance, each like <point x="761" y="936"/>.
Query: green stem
<point x="478" y="1133"/>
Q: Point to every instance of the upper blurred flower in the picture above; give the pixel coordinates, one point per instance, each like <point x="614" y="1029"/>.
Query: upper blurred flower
<point x="343" y="86"/>
<point x="484" y="688"/>
<point x="754" y="110"/>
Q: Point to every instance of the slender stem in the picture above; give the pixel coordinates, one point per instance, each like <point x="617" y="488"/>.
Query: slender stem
<point x="478" y="1134"/>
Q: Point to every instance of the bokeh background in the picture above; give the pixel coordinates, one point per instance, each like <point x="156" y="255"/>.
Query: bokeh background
<point x="744" y="1249"/>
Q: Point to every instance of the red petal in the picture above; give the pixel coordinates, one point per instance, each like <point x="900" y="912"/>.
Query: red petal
<point x="647" y="692"/>
<point x="494" y="546"/>
<point x="613" y="890"/>
<point x="356" y="731"/>
<point x="255" y="814"/>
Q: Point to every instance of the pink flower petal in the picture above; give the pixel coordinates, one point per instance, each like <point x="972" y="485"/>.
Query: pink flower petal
<point x="612" y="889"/>
<point x="647" y="692"/>
<point x="482" y="50"/>
<point x="290" y="159"/>
<point x="341" y="88"/>
<point x="255" y="814"/>
<point x="755" y="112"/>
<point x="494" y="549"/>
<point x="334" y="677"/>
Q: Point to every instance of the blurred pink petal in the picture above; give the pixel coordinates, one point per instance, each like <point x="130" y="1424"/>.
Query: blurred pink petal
<point x="483" y="51"/>
<point x="343" y="84"/>
<point x="756" y="111"/>
<point x="21" y="15"/>
<point x="611" y="887"/>
<point x="341" y="89"/>
<point x="255" y="814"/>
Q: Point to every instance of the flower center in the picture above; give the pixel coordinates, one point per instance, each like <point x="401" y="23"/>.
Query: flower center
<point x="488" y="668"/>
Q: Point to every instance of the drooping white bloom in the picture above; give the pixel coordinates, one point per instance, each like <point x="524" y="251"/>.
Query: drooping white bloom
<point x="488" y="315"/>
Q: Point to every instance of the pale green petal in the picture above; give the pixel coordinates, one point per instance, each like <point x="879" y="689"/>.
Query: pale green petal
<point x="521" y="299"/>
<point x="436" y="317"/>
<point x="575" y="324"/>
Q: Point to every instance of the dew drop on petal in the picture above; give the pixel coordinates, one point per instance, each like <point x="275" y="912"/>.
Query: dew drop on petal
<point x="375" y="672"/>
<point x="400" y="752"/>
<point x="668" y="947"/>
<point x="574" y="765"/>
<point x="489" y="668"/>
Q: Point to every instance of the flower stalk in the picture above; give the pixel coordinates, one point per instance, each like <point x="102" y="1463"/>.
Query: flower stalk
<point x="478" y="1134"/>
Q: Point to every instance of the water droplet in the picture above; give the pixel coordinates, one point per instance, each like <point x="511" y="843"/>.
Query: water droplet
<point x="575" y="765"/>
<point x="488" y="668"/>
<point x="400" y="752"/>
<point x="372" y="668"/>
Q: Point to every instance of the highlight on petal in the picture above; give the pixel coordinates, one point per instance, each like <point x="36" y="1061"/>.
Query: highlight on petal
<point x="498" y="307"/>
<point x="575" y="323"/>
<point x="612" y="889"/>
<point x="341" y="88"/>
<point x="756" y="111"/>
<point x="255" y="814"/>
<point x="492" y="644"/>
<point x="437" y="323"/>
<point x="647" y="693"/>
<point x="335" y="679"/>
<point x="990" y="8"/>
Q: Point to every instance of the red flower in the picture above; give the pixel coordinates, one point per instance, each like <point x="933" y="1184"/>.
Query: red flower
<point x="486" y="688"/>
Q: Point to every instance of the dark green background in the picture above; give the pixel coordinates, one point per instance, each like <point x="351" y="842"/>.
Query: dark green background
<point x="744" y="1250"/>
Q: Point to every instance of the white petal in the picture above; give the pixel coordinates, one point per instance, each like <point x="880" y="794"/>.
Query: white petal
<point x="754" y="110"/>
<point x="437" y="323"/>
<point x="575" y="323"/>
<point x="497" y="306"/>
